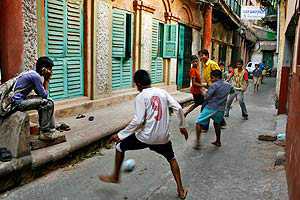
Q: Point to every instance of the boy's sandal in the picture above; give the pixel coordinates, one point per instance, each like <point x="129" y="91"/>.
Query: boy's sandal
<point x="79" y="116"/>
<point x="63" y="127"/>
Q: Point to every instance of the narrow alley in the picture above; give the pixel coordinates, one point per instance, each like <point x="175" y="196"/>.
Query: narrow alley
<point x="242" y="169"/>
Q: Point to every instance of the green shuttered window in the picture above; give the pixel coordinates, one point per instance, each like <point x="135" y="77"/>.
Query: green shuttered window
<point x="64" y="36"/>
<point x="170" y="41"/>
<point x="157" y="60"/>
<point x="121" y="50"/>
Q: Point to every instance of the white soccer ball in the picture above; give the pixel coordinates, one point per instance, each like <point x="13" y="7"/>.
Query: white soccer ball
<point x="128" y="165"/>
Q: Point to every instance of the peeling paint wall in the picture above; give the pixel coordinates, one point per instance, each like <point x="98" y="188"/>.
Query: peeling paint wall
<point x="173" y="70"/>
<point x="196" y="44"/>
<point x="103" y="28"/>
<point x="146" y="41"/>
<point x="281" y="45"/>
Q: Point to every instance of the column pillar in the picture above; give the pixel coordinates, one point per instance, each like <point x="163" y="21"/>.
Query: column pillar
<point x="283" y="93"/>
<point x="207" y="27"/>
<point x="143" y="35"/>
<point x="11" y="38"/>
<point x="102" y="48"/>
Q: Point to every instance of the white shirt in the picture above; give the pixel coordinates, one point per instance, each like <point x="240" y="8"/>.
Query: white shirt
<point x="151" y="119"/>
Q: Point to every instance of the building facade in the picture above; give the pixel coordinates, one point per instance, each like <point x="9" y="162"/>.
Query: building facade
<point x="98" y="45"/>
<point x="289" y="89"/>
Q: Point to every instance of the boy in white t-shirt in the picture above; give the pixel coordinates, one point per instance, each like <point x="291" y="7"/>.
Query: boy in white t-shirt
<point x="149" y="128"/>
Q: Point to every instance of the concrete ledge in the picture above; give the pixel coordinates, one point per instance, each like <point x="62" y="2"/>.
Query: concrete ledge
<point x="14" y="165"/>
<point x="57" y="152"/>
<point x="84" y="133"/>
<point x="108" y="120"/>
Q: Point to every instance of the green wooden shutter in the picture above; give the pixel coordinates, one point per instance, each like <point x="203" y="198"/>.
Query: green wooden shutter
<point x="55" y="28"/>
<point x="55" y="39"/>
<point x="64" y="36"/>
<point x="57" y="89"/>
<point x="116" y="73"/>
<point x="157" y="62"/>
<point x="155" y="35"/>
<point x="127" y="73"/>
<point x="74" y="49"/>
<point x="74" y="77"/>
<point x="180" y="58"/>
<point x="74" y="26"/>
<point x="170" y="41"/>
<point x="121" y="63"/>
<point x="118" y="34"/>
<point x="118" y="47"/>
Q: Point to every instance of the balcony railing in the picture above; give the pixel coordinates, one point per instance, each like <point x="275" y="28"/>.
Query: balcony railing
<point x="235" y="6"/>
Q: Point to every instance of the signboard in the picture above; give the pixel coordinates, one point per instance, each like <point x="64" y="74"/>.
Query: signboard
<point x="252" y="13"/>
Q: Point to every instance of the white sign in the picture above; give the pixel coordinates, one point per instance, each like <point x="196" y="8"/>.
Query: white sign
<point x="252" y="13"/>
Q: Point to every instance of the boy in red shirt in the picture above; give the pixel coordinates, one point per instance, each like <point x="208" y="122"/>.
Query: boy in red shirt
<point x="196" y="88"/>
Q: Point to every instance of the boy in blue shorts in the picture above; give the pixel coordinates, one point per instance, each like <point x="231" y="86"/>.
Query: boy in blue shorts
<point x="216" y="97"/>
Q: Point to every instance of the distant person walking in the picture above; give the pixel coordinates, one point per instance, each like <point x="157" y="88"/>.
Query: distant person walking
<point x="240" y="84"/>
<point x="196" y="88"/>
<point x="262" y="67"/>
<point x="257" y="74"/>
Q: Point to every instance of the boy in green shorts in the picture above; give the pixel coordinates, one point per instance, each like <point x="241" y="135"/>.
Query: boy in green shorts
<point x="216" y="97"/>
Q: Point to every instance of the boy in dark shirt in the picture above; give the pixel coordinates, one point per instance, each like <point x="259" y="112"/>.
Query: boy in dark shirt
<point x="216" y="97"/>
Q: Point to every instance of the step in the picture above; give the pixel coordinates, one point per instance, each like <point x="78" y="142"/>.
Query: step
<point x="72" y="107"/>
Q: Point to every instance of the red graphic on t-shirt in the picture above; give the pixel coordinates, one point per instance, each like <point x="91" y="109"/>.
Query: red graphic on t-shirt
<point x="156" y="106"/>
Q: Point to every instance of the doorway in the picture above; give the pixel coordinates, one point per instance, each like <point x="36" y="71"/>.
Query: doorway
<point x="184" y="56"/>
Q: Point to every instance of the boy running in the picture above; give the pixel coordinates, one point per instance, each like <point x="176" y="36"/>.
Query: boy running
<point x="196" y="88"/>
<point x="240" y="84"/>
<point x="149" y="128"/>
<point x="216" y="97"/>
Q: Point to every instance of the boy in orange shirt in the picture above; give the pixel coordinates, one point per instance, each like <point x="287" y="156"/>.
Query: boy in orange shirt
<point x="196" y="88"/>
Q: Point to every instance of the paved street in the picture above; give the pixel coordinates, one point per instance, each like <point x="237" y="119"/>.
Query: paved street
<point x="242" y="169"/>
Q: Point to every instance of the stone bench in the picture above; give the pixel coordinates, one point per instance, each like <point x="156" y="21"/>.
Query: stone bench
<point x="15" y="134"/>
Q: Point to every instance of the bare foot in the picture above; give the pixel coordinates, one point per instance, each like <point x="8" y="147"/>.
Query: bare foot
<point x="183" y="193"/>
<point x="197" y="146"/>
<point x="109" y="179"/>
<point x="218" y="144"/>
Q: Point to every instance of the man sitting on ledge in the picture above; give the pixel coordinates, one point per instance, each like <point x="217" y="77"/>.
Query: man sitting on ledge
<point x="37" y="80"/>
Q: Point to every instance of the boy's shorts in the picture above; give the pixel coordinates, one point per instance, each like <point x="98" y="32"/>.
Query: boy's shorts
<point x="132" y="143"/>
<point x="207" y="114"/>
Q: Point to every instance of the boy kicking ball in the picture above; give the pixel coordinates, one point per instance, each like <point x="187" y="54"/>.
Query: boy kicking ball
<point x="149" y="128"/>
<point x="216" y="97"/>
